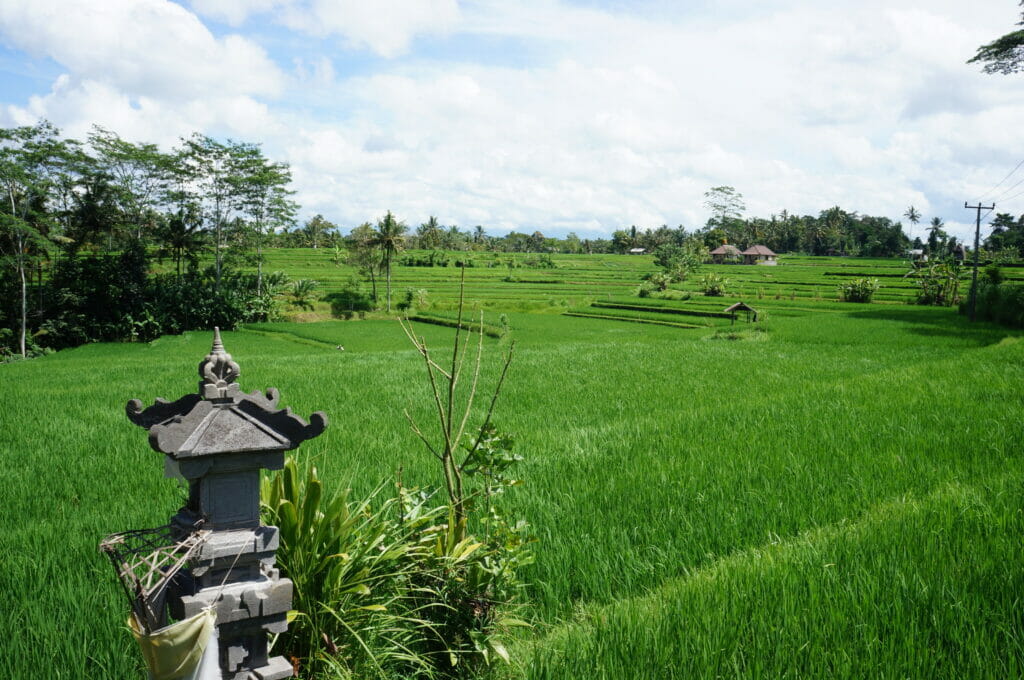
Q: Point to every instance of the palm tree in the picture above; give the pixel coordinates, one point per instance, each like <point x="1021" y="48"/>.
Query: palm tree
<point x="182" y="238"/>
<point x="935" y="235"/>
<point x="914" y="216"/>
<point x="389" y="237"/>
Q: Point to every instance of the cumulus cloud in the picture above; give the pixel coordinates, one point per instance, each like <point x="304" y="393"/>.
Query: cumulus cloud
<point x="152" y="48"/>
<point x="234" y="12"/>
<point x="385" y="26"/>
<point x="618" y="119"/>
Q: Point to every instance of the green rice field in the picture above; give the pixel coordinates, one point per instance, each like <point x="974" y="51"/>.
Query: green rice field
<point x="581" y="279"/>
<point x="834" y="492"/>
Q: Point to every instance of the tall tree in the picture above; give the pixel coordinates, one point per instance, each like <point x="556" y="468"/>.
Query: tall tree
<point x="316" y="228"/>
<point x="181" y="236"/>
<point x="725" y="204"/>
<point x="1004" y="54"/>
<point x="212" y="172"/>
<point x="936" y="236"/>
<point x="1007" y="233"/>
<point x="31" y="158"/>
<point x="429" y="234"/>
<point x="913" y="216"/>
<point x="363" y="254"/>
<point x="389" y="237"/>
<point x="139" y="172"/>
<point x="263" y="196"/>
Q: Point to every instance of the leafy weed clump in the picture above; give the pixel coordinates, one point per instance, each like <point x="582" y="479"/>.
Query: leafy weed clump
<point x="858" y="290"/>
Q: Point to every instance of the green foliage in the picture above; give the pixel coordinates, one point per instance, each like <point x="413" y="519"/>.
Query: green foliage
<point x="352" y="299"/>
<point x="938" y="281"/>
<point x="993" y="275"/>
<point x="725" y="203"/>
<point x="999" y="302"/>
<point x="713" y="285"/>
<point x="858" y="290"/>
<point x="302" y="291"/>
<point x="351" y="564"/>
<point x="659" y="281"/>
<point x="678" y="261"/>
<point x="397" y="587"/>
<point x="338" y="255"/>
<point x="407" y="300"/>
<point x="478" y="577"/>
<point x="1003" y="55"/>
<point x="389" y="238"/>
<point x="474" y="582"/>
<point x="542" y="261"/>
<point x="435" y="258"/>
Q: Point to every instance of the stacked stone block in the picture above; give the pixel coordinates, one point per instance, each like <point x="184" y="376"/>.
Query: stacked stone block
<point x="218" y="441"/>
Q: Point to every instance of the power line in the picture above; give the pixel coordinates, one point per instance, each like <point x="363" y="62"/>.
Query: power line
<point x="1009" y="189"/>
<point x="1008" y="175"/>
<point x="1005" y="200"/>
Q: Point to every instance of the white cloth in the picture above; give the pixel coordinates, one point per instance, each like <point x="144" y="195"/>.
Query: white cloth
<point x="186" y="650"/>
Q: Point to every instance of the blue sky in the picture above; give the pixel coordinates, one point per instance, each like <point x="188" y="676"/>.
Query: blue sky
<point x="542" y="114"/>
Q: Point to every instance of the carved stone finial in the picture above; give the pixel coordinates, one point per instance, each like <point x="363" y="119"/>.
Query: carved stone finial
<point x="218" y="372"/>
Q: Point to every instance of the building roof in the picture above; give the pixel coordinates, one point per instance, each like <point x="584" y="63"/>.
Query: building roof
<point x="221" y="419"/>
<point x="758" y="250"/>
<point x="726" y="249"/>
<point x="740" y="307"/>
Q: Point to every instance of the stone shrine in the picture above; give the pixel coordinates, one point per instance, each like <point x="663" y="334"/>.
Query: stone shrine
<point x="219" y="440"/>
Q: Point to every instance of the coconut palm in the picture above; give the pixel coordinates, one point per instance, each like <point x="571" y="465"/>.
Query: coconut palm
<point x="914" y="216"/>
<point x="389" y="237"/>
<point x="936" y="236"/>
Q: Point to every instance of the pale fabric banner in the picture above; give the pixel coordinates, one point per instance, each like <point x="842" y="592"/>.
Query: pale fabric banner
<point x="186" y="650"/>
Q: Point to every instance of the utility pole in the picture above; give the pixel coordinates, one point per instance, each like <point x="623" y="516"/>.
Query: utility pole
<point x="974" y="273"/>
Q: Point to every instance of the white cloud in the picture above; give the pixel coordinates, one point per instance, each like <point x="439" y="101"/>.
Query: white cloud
<point x="384" y="26"/>
<point x="620" y="120"/>
<point x="234" y="12"/>
<point x="143" y="47"/>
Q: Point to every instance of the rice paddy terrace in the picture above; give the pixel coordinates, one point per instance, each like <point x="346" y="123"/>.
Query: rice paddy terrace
<point x="528" y="282"/>
<point x="835" y="491"/>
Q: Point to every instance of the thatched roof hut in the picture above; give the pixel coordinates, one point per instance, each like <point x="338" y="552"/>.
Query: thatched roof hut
<point x="725" y="252"/>
<point x="741" y="307"/>
<point x="759" y="255"/>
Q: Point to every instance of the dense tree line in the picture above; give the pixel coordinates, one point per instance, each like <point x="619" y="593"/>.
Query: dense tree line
<point x="81" y="221"/>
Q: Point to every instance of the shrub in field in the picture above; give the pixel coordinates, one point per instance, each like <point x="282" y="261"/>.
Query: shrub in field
<point x="471" y="580"/>
<point x="858" y="290"/>
<point x="713" y="285"/>
<point x="1002" y="303"/>
<point x="350" y="563"/>
<point x="659" y="280"/>
<point x="679" y="261"/>
<point x="406" y="302"/>
<point x="477" y="586"/>
<point x="395" y="587"/>
<point x="352" y="299"/>
<point x="302" y="292"/>
<point x="938" y="282"/>
<point x="542" y="261"/>
<point x="9" y="343"/>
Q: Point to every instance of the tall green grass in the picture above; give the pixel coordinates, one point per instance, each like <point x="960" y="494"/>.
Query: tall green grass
<point x="687" y="495"/>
